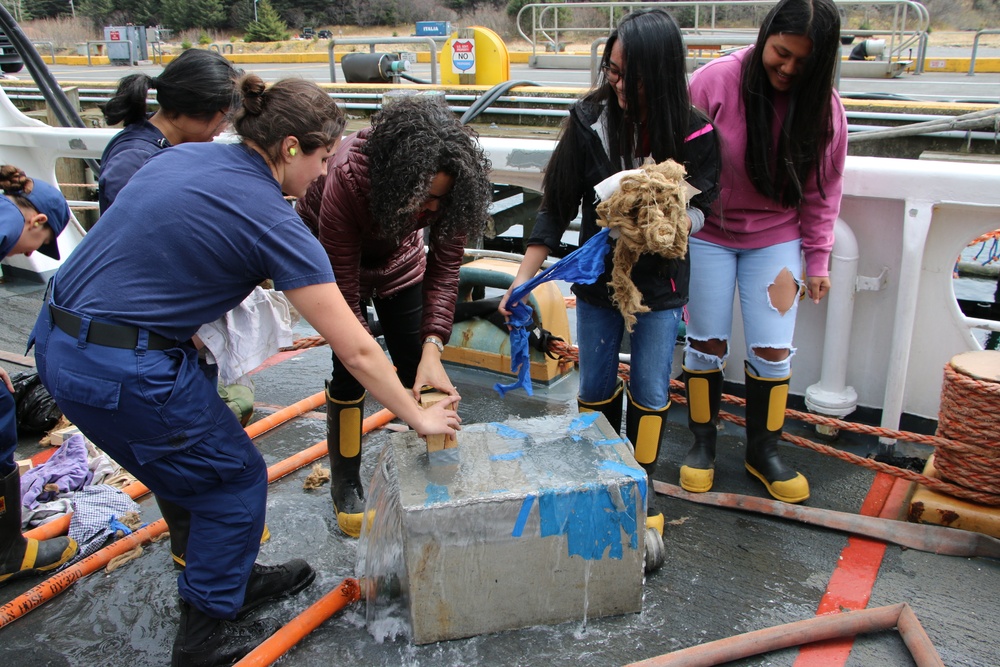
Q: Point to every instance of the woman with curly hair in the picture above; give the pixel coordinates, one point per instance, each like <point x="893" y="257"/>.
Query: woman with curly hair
<point x="417" y="169"/>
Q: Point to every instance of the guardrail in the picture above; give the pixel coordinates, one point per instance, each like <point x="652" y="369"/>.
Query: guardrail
<point x="52" y="49"/>
<point x="908" y="29"/>
<point x="372" y="41"/>
<point x="975" y="48"/>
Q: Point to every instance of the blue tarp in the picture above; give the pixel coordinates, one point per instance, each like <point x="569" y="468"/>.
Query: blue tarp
<point x="584" y="265"/>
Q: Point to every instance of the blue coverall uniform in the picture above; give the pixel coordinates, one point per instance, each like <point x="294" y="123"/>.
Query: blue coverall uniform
<point x="125" y="153"/>
<point x="11" y="226"/>
<point x="113" y="342"/>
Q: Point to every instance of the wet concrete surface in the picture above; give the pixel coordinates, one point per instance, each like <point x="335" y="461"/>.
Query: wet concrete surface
<point x="726" y="572"/>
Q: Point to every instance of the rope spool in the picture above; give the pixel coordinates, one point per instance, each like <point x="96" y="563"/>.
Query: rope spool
<point x="970" y="403"/>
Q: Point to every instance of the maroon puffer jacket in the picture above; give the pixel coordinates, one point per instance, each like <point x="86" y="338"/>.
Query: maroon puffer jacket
<point x="364" y="265"/>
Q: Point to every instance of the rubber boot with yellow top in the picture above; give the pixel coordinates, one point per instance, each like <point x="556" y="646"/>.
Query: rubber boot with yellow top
<point x="343" y="441"/>
<point x="644" y="429"/>
<point x="704" y="394"/>
<point x="766" y="400"/>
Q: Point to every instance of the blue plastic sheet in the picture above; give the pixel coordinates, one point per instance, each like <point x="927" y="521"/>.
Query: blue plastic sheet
<point x="584" y="265"/>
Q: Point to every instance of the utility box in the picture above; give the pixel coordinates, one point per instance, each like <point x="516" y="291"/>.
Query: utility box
<point x="433" y="28"/>
<point x="528" y="522"/>
<point x="120" y="37"/>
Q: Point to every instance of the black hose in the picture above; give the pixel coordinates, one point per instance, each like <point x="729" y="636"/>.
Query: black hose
<point x="55" y="97"/>
<point x="413" y="79"/>
<point x="490" y="96"/>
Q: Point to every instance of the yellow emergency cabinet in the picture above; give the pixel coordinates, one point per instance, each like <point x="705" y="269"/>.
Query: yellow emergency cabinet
<point x="474" y="56"/>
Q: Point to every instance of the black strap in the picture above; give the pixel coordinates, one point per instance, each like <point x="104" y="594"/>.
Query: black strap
<point x="104" y="333"/>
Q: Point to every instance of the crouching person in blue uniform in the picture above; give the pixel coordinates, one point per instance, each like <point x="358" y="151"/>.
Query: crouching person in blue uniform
<point x="32" y="214"/>
<point x="113" y="342"/>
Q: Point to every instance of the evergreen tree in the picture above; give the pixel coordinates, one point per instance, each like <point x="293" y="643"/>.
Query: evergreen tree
<point x="268" y="27"/>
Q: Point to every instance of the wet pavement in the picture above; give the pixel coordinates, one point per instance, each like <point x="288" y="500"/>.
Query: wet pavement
<point x="726" y="572"/>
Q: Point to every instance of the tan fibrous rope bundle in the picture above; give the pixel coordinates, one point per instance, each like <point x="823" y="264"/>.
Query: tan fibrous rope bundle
<point x="649" y="211"/>
<point x="968" y="419"/>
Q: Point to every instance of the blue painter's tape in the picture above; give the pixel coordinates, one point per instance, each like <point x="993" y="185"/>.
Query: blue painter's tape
<point x="609" y="441"/>
<point x="436" y="494"/>
<point x="522" y="516"/>
<point x="584" y="421"/>
<point x="509" y="456"/>
<point x="638" y="475"/>
<point x="589" y="519"/>
<point x="508" y="432"/>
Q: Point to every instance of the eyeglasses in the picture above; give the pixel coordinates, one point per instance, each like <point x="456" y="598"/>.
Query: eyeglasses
<point x="613" y="75"/>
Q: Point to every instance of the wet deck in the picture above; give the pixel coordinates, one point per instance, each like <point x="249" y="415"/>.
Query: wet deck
<point x="726" y="572"/>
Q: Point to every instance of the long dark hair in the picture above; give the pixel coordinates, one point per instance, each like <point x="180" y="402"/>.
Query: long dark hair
<point x="655" y="61"/>
<point x="412" y="139"/>
<point x="197" y="83"/>
<point x="288" y="108"/>
<point x="807" y="128"/>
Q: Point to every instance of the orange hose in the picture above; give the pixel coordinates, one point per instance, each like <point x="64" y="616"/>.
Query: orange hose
<point x="820" y="628"/>
<point x="275" y="646"/>
<point x="136" y="490"/>
<point x="59" y="582"/>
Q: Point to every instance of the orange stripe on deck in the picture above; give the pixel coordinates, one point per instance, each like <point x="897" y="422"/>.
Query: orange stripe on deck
<point x="851" y="583"/>
<point x="276" y="359"/>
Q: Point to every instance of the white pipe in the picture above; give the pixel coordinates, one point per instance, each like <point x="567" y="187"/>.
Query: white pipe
<point x="831" y="395"/>
<point x="916" y="225"/>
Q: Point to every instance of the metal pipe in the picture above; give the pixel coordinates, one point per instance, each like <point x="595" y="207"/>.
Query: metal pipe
<point x="975" y="48"/>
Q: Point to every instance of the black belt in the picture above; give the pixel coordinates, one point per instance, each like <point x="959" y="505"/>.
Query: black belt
<point x="109" y="335"/>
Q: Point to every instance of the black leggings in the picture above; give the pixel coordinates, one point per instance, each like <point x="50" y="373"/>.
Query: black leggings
<point x="400" y="317"/>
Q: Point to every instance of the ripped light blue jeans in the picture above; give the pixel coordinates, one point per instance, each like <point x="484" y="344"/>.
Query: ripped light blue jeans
<point x="716" y="271"/>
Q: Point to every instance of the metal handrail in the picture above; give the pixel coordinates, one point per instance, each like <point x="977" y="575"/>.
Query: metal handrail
<point x="157" y="50"/>
<point x="131" y="48"/>
<point x="52" y="48"/>
<point x="545" y="19"/>
<point x="372" y="41"/>
<point x="222" y="49"/>
<point x="975" y="48"/>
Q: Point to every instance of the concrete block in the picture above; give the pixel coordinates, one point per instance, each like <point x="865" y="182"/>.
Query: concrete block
<point x="530" y="522"/>
<point x="61" y="435"/>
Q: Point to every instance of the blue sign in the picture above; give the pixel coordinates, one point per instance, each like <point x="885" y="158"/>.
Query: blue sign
<point x="433" y="28"/>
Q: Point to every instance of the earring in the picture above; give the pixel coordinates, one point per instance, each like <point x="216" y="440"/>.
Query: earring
<point x="292" y="151"/>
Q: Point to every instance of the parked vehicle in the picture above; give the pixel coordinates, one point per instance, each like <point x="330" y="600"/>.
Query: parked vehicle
<point x="10" y="59"/>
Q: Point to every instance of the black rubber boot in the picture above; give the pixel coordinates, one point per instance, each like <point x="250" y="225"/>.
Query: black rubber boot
<point x="611" y="408"/>
<point x="704" y="394"/>
<point x="179" y="524"/>
<point x="273" y="582"/>
<point x="203" y="641"/>
<point x="343" y="441"/>
<point x="644" y="429"/>
<point x="21" y="556"/>
<point x="766" y="400"/>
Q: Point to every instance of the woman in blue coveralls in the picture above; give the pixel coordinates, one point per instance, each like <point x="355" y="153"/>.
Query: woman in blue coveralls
<point x="32" y="214"/>
<point x="114" y="350"/>
<point x="195" y="92"/>
<point x="640" y="108"/>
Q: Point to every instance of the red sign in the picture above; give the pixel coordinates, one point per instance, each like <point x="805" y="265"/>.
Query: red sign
<point x="463" y="47"/>
<point x="115" y="35"/>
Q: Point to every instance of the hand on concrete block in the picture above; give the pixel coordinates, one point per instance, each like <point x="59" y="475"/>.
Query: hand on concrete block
<point x="428" y="397"/>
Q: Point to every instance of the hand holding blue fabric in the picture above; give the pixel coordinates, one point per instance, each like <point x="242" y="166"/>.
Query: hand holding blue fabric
<point x="583" y="265"/>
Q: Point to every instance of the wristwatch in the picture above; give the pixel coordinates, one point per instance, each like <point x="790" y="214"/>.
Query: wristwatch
<point x="436" y="342"/>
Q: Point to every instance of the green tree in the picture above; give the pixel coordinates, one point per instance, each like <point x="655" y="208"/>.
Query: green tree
<point x="183" y="14"/>
<point x="268" y="27"/>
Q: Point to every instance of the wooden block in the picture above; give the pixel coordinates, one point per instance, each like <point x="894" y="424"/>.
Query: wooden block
<point x="435" y="443"/>
<point x="61" y="435"/>
<point x="23" y="466"/>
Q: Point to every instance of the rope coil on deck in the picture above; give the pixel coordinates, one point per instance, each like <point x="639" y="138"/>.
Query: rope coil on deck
<point x="968" y="419"/>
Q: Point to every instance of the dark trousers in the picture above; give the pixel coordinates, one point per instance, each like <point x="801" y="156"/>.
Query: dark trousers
<point x="160" y="417"/>
<point x="400" y="317"/>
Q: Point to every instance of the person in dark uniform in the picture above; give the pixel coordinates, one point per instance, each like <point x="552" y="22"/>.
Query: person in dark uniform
<point x="417" y="170"/>
<point x="195" y="92"/>
<point x="32" y="215"/>
<point x="113" y="342"/>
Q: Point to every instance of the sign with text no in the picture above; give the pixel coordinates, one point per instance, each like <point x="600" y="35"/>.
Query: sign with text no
<point x="463" y="56"/>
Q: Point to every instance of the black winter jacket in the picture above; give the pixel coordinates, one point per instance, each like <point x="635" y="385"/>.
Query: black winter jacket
<point x="662" y="282"/>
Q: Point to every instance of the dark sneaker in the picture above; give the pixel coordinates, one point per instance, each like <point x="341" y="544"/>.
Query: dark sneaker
<point x="271" y="582"/>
